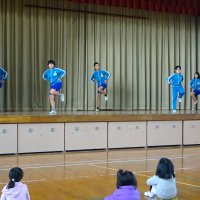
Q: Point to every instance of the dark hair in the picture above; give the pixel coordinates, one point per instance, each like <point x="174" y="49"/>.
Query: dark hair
<point x="96" y="63"/>
<point x="15" y="175"/>
<point x="197" y="75"/>
<point x="125" y="178"/>
<point x="176" y="67"/>
<point x="51" y="62"/>
<point x="165" y="169"/>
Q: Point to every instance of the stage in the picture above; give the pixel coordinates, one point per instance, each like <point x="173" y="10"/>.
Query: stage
<point x="101" y="116"/>
<point x="33" y="132"/>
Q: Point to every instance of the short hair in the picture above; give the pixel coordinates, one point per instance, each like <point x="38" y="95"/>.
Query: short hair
<point x="165" y="169"/>
<point x="197" y="75"/>
<point x="15" y="175"/>
<point x="96" y="63"/>
<point x="176" y="67"/>
<point x="51" y="62"/>
<point x="125" y="178"/>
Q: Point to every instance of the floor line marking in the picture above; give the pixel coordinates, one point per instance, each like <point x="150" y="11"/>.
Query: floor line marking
<point x="28" y="181"/>
<point x="114" y="160"/>
<point x="80" y="164"/>
<point x="178" y="182"/>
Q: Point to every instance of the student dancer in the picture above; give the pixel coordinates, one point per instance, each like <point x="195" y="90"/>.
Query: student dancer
<point x="15" y="189"/>
<point x="126" y="187"/>
<point x="3" y="76"/>
<point x="100" y="77"/>
<point x="177" y="89"/>
<point x="195" y="85"/>
<point x="163" y="184"/>
<point x="54" y="75"/>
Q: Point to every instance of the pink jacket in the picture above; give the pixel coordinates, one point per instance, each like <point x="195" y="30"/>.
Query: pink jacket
<point x="19" y="192"/>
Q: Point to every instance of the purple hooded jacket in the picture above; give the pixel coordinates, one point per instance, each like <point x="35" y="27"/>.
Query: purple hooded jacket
<point x="125" y="193"/>
<point x="19" y="192"/>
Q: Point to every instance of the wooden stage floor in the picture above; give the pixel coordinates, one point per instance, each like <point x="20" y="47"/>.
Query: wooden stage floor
<point x="92" y="116"/>
<point x="91" y="175"/>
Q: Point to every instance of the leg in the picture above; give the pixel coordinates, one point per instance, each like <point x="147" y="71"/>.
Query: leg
<point x="53" y="93"/>
<point x="153" y="189"/>
<point x="52" y="101"/>
<point x="152" y="192"/>
<point x="98" y="101"/>
<point x="101" y="90"/>
<point x="194" y="99"/>
<point x="174" y="97"/>
<point x="181" y="92"/>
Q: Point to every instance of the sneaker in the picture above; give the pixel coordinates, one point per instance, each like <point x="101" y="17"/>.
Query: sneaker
<point x="53" y="112"/>
<point x="174" y="111"/>
<point x="97" y="110"/>
<point x="62" y="97"/>
<point x="149" y="194"/>
<point x="195" y="102"/>
<point x="193" y="109"/>
<point x="106" y="98"/>
<point x="179" y="100"/>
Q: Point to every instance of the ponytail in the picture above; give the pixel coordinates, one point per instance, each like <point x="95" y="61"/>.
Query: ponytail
<point x="11" y="184"/>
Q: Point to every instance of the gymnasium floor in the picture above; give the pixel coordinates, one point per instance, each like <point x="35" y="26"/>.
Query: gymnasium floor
<point x="91" y="175"/>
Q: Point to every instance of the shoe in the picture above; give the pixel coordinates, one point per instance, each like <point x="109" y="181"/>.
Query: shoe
<point x="179" y="100"/>
<point x="193" y="109"/>
<point x="106" y="98"/>
<point x="174" y="111"/>
<point x="97" y="110"/>
<point x="149" y="194"/>
<point x="62" y="97"/>
<point x="53" y="112"/>
<point x="195" y="102"/>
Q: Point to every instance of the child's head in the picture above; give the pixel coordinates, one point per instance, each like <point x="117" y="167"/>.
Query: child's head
<point x="165" y="169"/>
<point x="177" y="69"/>
<point x="125" y="178"/>
<point x="51" y="64"/>
<point x="96" y="66"/>
<point x="197" y="75"/>
<point x="15" y="175"/>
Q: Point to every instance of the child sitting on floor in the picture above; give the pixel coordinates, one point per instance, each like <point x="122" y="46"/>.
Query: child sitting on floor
<point x="163" y="184"/>
<point x="126" y="187"/>
<point x="15" y="189"/>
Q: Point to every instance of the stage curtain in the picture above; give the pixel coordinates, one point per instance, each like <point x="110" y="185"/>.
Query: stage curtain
<point x="139" y="48"/>
<point x="191" y="7"/>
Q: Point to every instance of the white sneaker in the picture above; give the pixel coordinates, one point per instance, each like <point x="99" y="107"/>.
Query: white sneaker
<point x="193" y="110"/>
<point x="195" y="102"/>
<point x="106" y="98"/>
<point x="53" y="112"/>
<point x="179" y="100"/>
<point x="97" y="110"/>
<point x="149" y="194"/>
<point x="174" y="111"/>
<point x="62" y="97"/>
